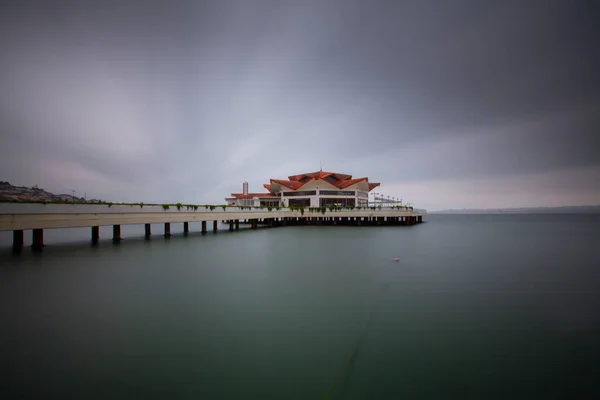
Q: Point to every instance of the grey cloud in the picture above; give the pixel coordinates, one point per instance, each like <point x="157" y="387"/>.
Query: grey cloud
<point x="182" y="101"/>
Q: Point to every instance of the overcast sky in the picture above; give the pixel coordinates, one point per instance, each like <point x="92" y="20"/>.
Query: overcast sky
<point x="449" y="104"/>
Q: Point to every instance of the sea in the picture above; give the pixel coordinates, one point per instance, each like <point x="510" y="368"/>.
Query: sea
<point x="475" y="307"/>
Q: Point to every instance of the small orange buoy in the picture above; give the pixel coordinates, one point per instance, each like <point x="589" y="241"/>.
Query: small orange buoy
<point x="396" y="259"/>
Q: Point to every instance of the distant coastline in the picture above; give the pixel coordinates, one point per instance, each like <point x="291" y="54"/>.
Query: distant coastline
<point x="525" y="210"/>
<point x="10" y="192"/>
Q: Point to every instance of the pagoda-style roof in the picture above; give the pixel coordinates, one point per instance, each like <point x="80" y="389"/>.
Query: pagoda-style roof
<point x="335" y="179"/>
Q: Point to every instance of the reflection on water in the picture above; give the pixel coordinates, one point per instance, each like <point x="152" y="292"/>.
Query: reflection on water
<point x="477" y="307"/>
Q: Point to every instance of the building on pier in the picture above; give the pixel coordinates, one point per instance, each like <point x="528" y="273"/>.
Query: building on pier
<point x="312" y="189"/>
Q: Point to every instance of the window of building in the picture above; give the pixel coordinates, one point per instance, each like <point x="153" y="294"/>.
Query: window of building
<point x="299" y="202"/>
<point x="269" y="203"/>
<point x="328" y="192"/>
<point x="301" y="193"/>
<point x="330" y="202"/>
<point x="336" y="192"/>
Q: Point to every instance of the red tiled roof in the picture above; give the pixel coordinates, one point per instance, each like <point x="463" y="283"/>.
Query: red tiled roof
<point x="320" y="175"/>
<point x="288" y="184"/>
<point x="349" y="182"/>
<point x="343" y="180"/>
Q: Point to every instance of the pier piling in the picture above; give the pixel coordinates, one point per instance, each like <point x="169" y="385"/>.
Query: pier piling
<point x="37" y="239"/>
<point x="186" y="228"/>
<point x="237" y="224"/>
<point x="116" y="233"/>
<point x="167" y="229"/>
<point x="148" y="230"/>
<point x="18" y="239"/>
<point x="215" y="226"/>
<point x="203" y="228"/>
<point x="95" y="234"/>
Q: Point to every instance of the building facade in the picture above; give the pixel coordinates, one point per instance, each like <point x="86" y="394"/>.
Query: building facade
<point x="312" y="189"/>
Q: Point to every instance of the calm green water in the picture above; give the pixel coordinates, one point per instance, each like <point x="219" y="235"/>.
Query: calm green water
<point x="477" y="307"/>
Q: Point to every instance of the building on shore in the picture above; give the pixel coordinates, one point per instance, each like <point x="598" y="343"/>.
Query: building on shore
<point x="312" y="189"/>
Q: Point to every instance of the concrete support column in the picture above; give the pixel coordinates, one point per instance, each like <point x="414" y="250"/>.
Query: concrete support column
<point x="95" y="234"/>
<point x="116" y="233"/>
<point x="237" y="224"/>
<point x="148" y="230"/>
<point x="203" y="227"/>
<point x="167" y="229"/>
<point x="18" y="239"/>
<point x="253" y="223"/>
<point x="186" y="228"/>
<point x="215" y="226"/>
<point x="230" y="225"/>
<point x="37" y="239"/>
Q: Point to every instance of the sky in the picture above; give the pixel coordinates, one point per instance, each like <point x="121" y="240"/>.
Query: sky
<point x="449" y="104"/>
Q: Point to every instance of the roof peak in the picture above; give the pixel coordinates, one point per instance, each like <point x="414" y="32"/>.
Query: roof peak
<point x="320" y="174"/>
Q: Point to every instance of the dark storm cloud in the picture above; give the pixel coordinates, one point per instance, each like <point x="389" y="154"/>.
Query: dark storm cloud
<point x="183" y="100"/>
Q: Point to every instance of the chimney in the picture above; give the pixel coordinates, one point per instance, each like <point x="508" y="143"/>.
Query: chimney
<point x="245" y="188"/>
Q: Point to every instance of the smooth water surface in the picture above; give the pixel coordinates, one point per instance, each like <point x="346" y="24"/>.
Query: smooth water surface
<point x="478" y="306"/>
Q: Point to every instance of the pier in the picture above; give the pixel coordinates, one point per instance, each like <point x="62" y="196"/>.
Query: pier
<point x="18" y="217"/>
